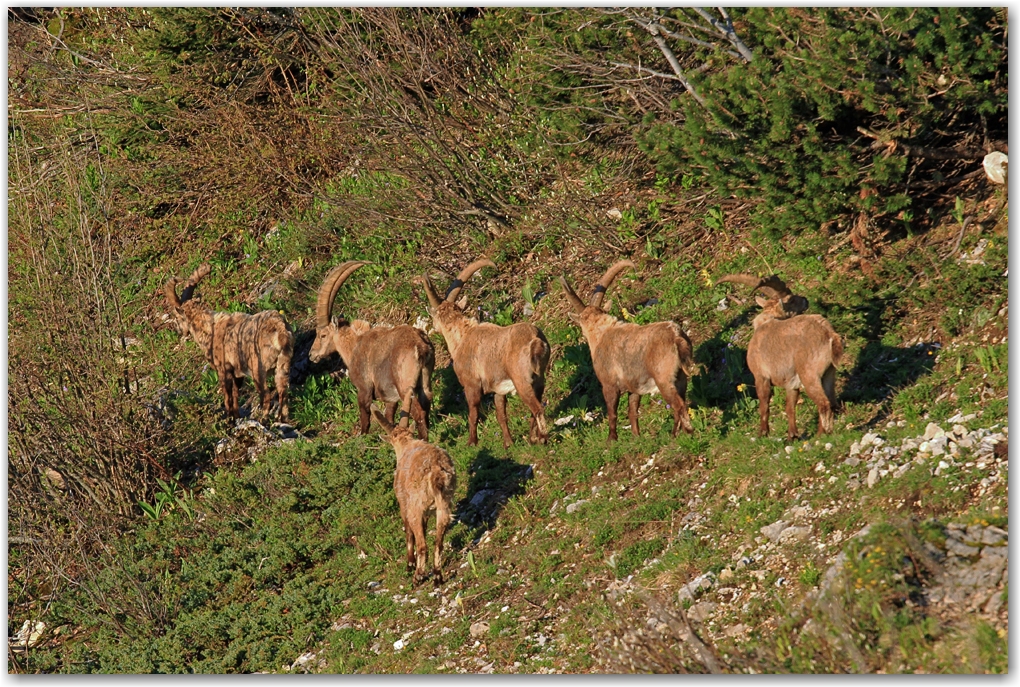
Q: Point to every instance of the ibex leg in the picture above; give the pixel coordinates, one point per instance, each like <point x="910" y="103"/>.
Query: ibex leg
<point x="258" y="379"/>
<point x="391" y="411"/>
<point x="531" y="395"/>
<point x="364" y="410"/>
<point x="763" y="386"/>
<point x="816" y="391"/>
<point x="501" y="416"/>
<point x="409" y="540"/>
<point x="673" y="392"/>
<point x="791" y="412"/>
<point x="473" y="395"/>
<point x="633" y="404"/>
<point x="612" y="397"/>
<point x="420" y="547"/>
<point x="443" y="519"/>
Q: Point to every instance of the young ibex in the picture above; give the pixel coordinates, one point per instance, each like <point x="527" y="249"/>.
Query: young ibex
<point x="791" y="350"/>
<point x="638" y="359"/>
<point x="392" y="364"/>
<point x="237" y="344"/>
<point x="488" y="358"/>
<point x="424" y="481"/>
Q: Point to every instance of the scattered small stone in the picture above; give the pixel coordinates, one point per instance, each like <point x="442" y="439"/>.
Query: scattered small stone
<point x="932" y="431"/>
<point x="773" y="531"/>
<point x="792" y="534"/>
<point x="480" y="496"/>
<point x="994" y="603"/>
<point x="479" y="629"/>
<point x="696" y="586"/>
<point x="575" y="505"/>
<point x="799" y="512"/>
<point x="736" y="630"/>
<point x="870" y="439"/>
<point x="701" y="611"/>
<point x="303" y="660"/>
<point x="873" y="476"/>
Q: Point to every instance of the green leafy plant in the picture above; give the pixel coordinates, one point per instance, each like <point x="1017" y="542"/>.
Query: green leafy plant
<point x="716" y="219"/>
<point x="959" y="213"/>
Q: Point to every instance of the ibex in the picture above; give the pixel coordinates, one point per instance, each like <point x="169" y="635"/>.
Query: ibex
<point x="791" y="350"/>
<point x="391" y="364"/>
<point x="237" y="344"/>
<point x="638" y="359"/>
<point x="424" y="481"/>
<point x="488" y="358"/>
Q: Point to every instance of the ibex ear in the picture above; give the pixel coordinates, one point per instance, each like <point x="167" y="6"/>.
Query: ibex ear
<point x="760" y="301"/>
<point x="462" y="303"/>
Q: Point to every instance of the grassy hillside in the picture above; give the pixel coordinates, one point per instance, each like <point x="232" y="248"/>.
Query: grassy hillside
<point x="147" y="533"/>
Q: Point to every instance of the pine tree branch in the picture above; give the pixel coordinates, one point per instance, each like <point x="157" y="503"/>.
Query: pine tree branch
<point x="725" y="27"/>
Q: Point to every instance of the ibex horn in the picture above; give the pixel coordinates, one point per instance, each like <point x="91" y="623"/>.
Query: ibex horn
<point x="773" y="286"/>
<point x="572" y="296"/>
<point x="330" y="288"/>
<point x="198" y="275"/>
<point x="607" y="281"/>
<point x="171" y="293"/>
<point x="746" y="279"/>
<point x="465" y="274"/>
<point x="430" y="291"/>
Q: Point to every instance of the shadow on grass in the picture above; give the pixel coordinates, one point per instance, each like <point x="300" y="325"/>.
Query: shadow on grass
<point x="493" y="480"/>
<point x="585" y="390"/>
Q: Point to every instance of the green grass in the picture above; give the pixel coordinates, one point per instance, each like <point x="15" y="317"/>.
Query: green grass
<point x="262" y="558"/>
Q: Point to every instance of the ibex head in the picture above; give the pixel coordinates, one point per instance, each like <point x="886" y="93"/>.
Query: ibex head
<point x="177" y="303"/>
<point x="779" y="301"/>
<point x="598" y="293"/>
<point x="324" y="344"/>
<point x="448" y="306"/>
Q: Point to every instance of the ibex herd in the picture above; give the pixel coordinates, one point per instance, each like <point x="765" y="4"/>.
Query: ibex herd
<point x="394" y="364"/>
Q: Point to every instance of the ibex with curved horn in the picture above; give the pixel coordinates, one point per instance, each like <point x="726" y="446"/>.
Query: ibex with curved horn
<point x="488" y="358"/>
<point x="774" y="290"/>
<point x="638" y="359"/>
<point x="237" y="344"/>
<point x="791" y="350"/>
<point x="391" y="364"/>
